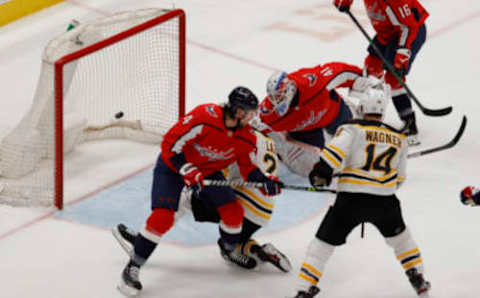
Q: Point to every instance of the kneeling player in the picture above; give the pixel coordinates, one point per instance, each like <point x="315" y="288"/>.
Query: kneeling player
<point x="368" y="179"/>
<point x="258" y="207"/>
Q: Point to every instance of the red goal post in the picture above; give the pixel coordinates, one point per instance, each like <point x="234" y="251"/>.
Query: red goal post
<point x="122" y="76"/>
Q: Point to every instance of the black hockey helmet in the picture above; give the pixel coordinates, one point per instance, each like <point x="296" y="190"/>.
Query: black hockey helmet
<point x="242" y="97"/>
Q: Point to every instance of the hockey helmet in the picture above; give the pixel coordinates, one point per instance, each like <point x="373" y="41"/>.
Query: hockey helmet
<point x="242" y="97"/>
<point x="374" y="100"/>
<point x="281" y="90"/>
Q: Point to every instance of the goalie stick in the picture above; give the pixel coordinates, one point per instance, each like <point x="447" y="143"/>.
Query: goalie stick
<point x="448" y="145"/>
<point x="425" y="110"/>
<point x="260" y="184"/>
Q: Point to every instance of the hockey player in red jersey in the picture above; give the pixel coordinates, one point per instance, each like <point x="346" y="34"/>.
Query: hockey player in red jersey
<point x="400" y="33"/>
<point x="470" y="195"/>
<point x="201" y="144"/>
<point x="302" y="104"/>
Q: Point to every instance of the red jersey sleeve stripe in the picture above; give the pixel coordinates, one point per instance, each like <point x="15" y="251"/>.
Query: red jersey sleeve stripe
<point x="402" y="41"/>
<point x="183" y="139"/>
<point x="341" y="78"/>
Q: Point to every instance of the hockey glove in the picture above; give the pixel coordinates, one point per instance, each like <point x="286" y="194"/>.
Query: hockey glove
<point x="271" y="185"/>
<point x="402" y="58"/>
<point x="470" y="196"/>
<point x="342" y="5"/>
<point x="321" y="175"/>
<point x="192" y="177"/>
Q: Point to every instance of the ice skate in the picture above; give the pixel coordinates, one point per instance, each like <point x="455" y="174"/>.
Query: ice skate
<point x="312" y="292"/>
<point x="125" y="237"/>
<point x="130" y="284"/>
<point x="269" y="253"/>
<point x="411" y="131"/>
<point x="418" y="282"/>
<point x="236" y="257"/>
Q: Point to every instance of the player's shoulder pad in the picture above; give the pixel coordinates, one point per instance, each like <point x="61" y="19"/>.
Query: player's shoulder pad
<point x="211" y="114"/>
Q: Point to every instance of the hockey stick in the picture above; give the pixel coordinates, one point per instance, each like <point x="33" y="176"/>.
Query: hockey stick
<point x="426" y="111"/>
<point x="260" y="184"/>
<point x="448" y="145"/>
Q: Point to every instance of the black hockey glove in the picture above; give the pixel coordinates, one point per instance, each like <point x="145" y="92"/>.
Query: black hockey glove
<point x="321" y="175"/>
<point x="271" y="185"/>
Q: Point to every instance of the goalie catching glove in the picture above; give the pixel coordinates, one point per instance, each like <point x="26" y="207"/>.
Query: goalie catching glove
<point x="271" y="185"/>
<point x="470" y="195"/>
<point x="321" y="175"/>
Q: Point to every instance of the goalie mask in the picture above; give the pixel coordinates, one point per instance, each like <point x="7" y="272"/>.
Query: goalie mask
<point x="280" y="91"/>
<point x="374" y="100"/>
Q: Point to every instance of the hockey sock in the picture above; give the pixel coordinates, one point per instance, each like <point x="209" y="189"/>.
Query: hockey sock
<point x="403" y="105"/>
<point x="406" y="250"/>
<point x="142" y="250"/>
<point x="248" y="229"/>
<point x="231" y="218"/>
<point x="157" y="224"/>
<point x="312" y="268"/>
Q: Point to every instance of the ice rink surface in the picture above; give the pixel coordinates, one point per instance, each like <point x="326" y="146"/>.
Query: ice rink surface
<point x="71" y="254"/>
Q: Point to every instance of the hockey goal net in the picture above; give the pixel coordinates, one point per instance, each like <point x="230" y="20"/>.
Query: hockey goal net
<point x="121" y="76"/>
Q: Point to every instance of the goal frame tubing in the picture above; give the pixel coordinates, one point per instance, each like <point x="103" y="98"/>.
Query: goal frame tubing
<point x="58" y="84"/>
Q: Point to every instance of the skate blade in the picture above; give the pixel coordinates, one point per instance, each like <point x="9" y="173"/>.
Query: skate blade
<point x="283" y="263"/>
<point x="127" y="291"/>
<point x="127" y="247"/>
<point x="413" y="140"/>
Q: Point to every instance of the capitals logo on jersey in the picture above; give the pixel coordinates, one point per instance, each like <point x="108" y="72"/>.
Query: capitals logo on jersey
<point x="312" y="79"/>
<point x="211" y="111"/>
<point x="213" y="154"/>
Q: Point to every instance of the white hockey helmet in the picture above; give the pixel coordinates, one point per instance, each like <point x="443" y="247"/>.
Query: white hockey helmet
<point x="280" y="91"/>
<point x="374" y="100"/>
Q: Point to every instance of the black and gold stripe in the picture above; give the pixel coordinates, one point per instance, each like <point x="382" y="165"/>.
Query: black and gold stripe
<point x="310" y="274"/>
<point x="410" y="258"/>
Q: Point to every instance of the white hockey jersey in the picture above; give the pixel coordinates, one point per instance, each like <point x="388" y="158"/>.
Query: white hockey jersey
<point x="368" y="157"/>
<point x="266" y="158"/>
<point x="258" y="207"/>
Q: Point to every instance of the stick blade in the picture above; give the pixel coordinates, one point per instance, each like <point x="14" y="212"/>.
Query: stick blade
<point x="448" y="145"/>
<point x="460" y="131"/>
<point x="437" y="113"/>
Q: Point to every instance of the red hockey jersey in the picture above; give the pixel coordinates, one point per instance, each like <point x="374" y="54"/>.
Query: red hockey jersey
<point x="316" y="104"/>
<point x="396" y="18"/>
<point x="203" y="139"/>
